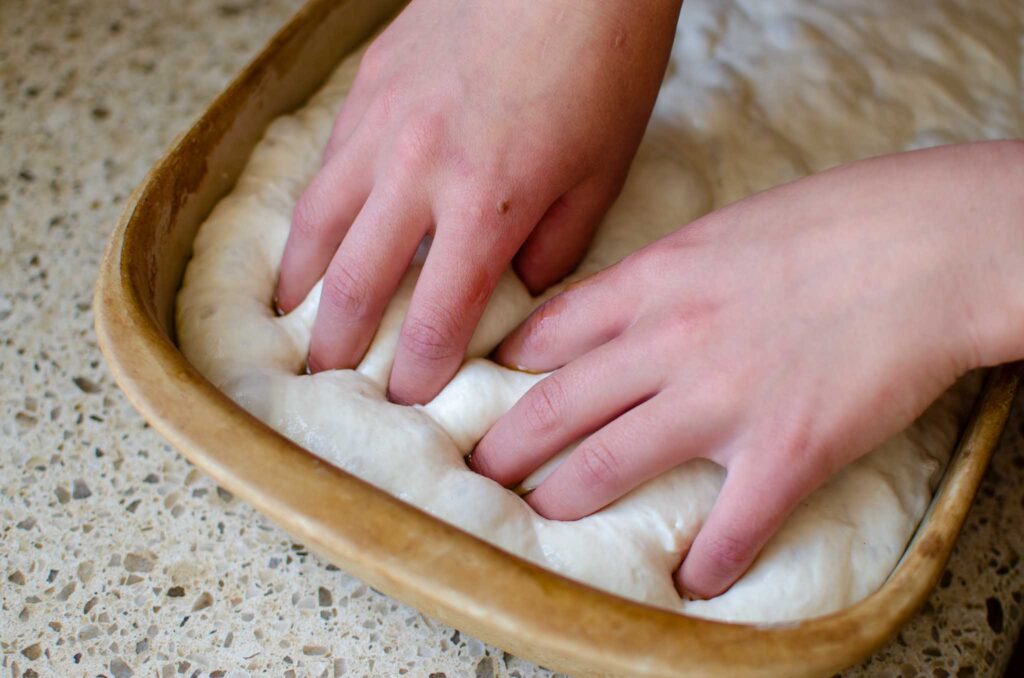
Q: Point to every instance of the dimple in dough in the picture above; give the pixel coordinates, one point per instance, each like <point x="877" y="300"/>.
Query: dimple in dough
<point x="756" y="94"/>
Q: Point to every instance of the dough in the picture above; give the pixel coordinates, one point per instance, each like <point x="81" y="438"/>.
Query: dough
<point x="756" y="94"/>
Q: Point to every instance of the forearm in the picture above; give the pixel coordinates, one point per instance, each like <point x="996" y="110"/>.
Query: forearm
<point x="987" y="197"/>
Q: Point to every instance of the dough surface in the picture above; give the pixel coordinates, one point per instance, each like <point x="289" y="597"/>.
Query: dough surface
<point x="756" y="94"/>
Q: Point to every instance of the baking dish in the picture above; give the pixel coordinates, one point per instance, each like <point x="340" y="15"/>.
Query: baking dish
<point x="396" y="547"/>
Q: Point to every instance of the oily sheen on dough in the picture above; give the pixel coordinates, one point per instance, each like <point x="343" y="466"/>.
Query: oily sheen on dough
<point x="756" y="94"/>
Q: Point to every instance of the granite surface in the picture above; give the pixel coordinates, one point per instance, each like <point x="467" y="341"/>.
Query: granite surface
<point x="117" y="557"/>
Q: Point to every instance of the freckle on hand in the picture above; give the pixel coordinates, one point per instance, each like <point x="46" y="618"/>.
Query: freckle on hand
<point x="503" y="207"/>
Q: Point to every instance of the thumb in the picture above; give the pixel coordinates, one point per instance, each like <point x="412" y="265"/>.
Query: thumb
<point x="753" y="503"/>
<point x="561" y="238"/>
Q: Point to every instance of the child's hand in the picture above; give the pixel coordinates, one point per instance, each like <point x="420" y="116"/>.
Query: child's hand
<point x="505" y="129"/>
<point x="781" y="337"/>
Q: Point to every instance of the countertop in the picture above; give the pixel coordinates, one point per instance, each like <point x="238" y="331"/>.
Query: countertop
<point x="117" y="557"/>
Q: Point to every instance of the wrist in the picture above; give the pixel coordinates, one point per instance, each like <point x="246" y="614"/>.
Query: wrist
<point x="992" y="222"/>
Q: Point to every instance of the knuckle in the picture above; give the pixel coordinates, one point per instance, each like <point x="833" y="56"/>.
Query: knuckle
<point x="490" y="210"/>
<point x="653" y="262"/>
<point x="419" y="139"/>
<point x="793" y="442"/>
<point x="678" y="323"/>
<point x="630" y="275"/>
<point x="431" y="337"/>
<point x="719" y="393"/>
<point x="346" y="291"/>
<point x="598" y="465"/>
<point x="807" y="460"/>
<point x="545" y="407"/>
<point x="797" y="445"/>
<point x="694" y="322"/>
<point x="474" y="288"/>
<point x="638" y="262"/>
<point x="384" y="103"/>
<point x="335" y="142"/>
<point x="372" y="63"/>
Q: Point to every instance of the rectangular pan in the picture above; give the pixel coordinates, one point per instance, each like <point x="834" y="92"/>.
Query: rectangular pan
<point x="396" y="547"/>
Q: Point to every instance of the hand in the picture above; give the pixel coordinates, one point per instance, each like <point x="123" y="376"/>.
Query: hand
<point x="781" y="337"/>
<point x="504" y="129"/>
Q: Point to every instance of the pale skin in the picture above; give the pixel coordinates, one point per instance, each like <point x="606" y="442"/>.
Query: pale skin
<point x="781" y="337"/>
<point x="505" y="129"/>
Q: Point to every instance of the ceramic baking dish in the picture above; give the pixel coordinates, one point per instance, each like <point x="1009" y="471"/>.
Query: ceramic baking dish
<point x="393" y="546"/>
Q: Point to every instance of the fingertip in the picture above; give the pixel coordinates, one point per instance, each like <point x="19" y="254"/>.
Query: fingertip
<point x="412" y="392"/>
<point x="550" y="506"/>
<point x="283" y="301"/>
<point x="431" y="347"/>
<point x="535" y="500"/>
<point x="313" y="365"/>
<point x="285" y="295"/>
<point x="682" y="589"/>
<point x="718" y="557"/>
<point x="320" y="219"/>
<point x="677" y="582"/>
<point x="485" y="459"/>
<point x="478" y="463"/>
<point x="560" y="240"/>
<point x="399" y="392"/>
<point x="324" y="358"/>
<point x="537" y="276"/>
<point x="398" y="399"/>
<point x="756" y="498"/>
<point x="691" y="586"/>
<point x="534" y="345"/>
<point x="528" y="275"/>
<point x="507" y="355"/>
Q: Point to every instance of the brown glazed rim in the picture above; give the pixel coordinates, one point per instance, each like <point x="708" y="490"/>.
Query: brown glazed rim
<point x="437" y="568"/>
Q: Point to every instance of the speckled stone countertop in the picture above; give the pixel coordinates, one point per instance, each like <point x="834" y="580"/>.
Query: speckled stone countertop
<point x="116" y="556"/>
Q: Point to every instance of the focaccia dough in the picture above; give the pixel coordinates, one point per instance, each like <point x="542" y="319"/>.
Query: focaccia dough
<point x="756" y="94"/>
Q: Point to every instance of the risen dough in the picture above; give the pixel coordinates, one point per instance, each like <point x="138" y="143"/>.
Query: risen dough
<point x="757" y="93"/>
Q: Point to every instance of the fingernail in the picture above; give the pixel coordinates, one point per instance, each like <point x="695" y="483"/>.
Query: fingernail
<point x="497" y="358"/>
<point x="684" y="594"/>
<point x="498" y="355"/>
<point x="681" y="590"/>
<point x="473" y="462"/>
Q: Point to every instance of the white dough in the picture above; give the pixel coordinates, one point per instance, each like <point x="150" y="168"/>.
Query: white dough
<point x="757" y="93"/>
